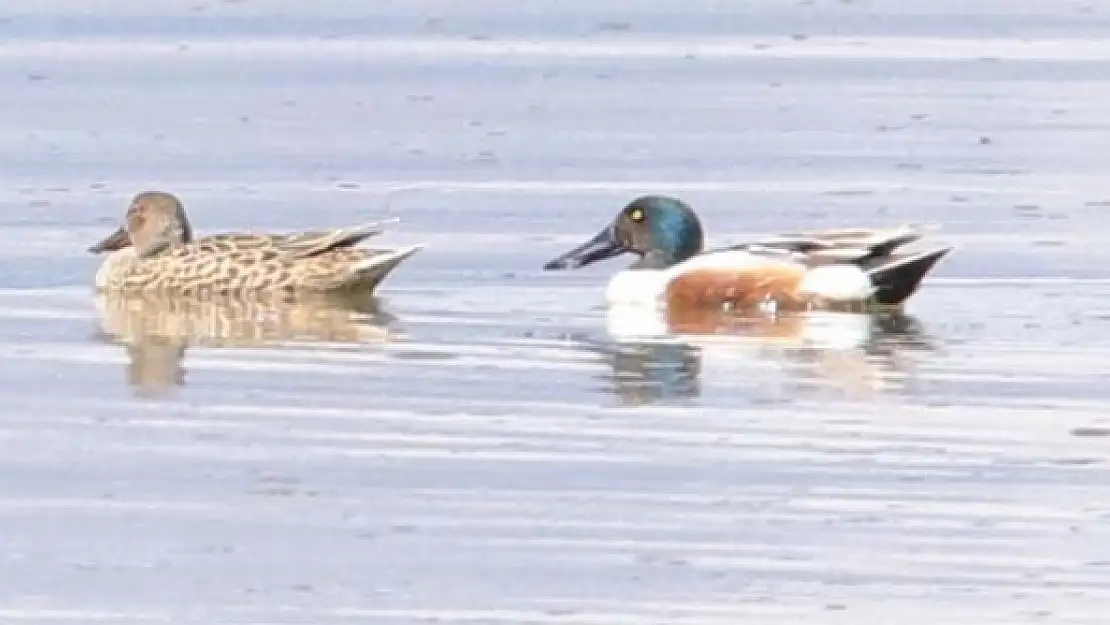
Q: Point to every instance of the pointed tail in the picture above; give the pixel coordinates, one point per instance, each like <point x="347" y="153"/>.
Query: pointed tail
<point x="897" y="277"/>
<point x="368" y="273"/>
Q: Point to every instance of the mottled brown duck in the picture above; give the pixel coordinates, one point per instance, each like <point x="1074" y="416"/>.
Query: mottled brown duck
<point x="154" y="252"/>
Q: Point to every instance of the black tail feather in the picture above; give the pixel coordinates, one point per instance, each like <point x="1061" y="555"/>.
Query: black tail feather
<point x="897" y="277"/>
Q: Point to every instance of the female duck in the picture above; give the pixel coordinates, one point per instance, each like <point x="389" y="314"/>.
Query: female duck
<point x="832" y="269"/>
<point x="154" y="252"/>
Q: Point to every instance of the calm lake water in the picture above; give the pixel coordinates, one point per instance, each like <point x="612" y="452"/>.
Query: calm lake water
<point x="479" y="448"/>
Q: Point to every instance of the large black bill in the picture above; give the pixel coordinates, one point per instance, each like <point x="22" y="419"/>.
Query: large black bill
<point x="115" y="241"/>
<point x="603" y="245"/>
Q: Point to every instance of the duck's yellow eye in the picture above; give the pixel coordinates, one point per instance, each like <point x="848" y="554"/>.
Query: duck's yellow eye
<point x="637" y="215"/>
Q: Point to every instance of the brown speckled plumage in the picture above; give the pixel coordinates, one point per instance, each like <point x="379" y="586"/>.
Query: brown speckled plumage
<point x="154" y="252"/>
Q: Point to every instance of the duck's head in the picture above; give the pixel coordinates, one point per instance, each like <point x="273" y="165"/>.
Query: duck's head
<point x="154" y="221"/>
<point x="661" y="230"/>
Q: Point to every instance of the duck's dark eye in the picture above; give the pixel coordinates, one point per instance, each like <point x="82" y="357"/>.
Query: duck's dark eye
<point x="636" y="215"/>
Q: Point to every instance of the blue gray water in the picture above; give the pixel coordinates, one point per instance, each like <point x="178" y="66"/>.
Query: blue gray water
<point x="479" y="449"/>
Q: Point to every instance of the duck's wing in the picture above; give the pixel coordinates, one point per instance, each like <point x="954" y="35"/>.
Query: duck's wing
<point x="896" y="274"/>
<point x="844" y="245"/>
<point x="798" y="249"/>
<point x="314" y="242"/>
<point x="294" y="246"/>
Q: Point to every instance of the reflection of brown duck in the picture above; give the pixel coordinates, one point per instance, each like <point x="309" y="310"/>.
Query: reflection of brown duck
<point x="155" y="365"/>
<point x="663" y="354"/>
<point x="157" y="330"/>
<point x="707" y="321"/>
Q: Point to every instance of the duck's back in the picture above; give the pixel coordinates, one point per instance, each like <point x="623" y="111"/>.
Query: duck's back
<point x="230" y="263"/>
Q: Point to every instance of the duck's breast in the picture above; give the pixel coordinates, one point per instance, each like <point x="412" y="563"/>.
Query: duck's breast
<point x="636" y="287"/>
<point x="114" y="267"/>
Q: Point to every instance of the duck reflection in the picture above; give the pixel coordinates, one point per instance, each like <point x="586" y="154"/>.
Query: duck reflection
<point x="157" y="330"/>
<point x="645" y="373"/>
<point x="658" y="356"/>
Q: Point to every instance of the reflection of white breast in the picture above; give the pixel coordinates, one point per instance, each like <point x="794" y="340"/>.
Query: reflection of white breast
<point x="114" y="264"/>
<point x="629" y="321"/>
<point x="819" y="329"/>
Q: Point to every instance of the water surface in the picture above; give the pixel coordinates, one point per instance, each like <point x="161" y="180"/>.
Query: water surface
<point x="478" y="449"/>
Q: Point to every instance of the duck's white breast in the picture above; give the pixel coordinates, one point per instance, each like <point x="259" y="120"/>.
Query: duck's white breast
<point x="636" y="287"/>
<point x="113" y="265"/>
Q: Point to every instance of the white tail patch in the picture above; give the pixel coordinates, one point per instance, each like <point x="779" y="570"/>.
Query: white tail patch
<point x="839" y="283"/>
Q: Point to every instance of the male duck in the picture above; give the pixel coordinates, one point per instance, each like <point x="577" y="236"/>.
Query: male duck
<point x="831" y="269"/>
<point x="154" y="252"/>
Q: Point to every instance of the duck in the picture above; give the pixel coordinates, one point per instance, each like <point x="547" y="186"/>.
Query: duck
<point x="846" y="269"/>
<point x="154" y="251"/>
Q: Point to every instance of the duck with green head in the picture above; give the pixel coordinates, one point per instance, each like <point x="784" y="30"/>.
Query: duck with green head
<point x="820" y="269"/>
